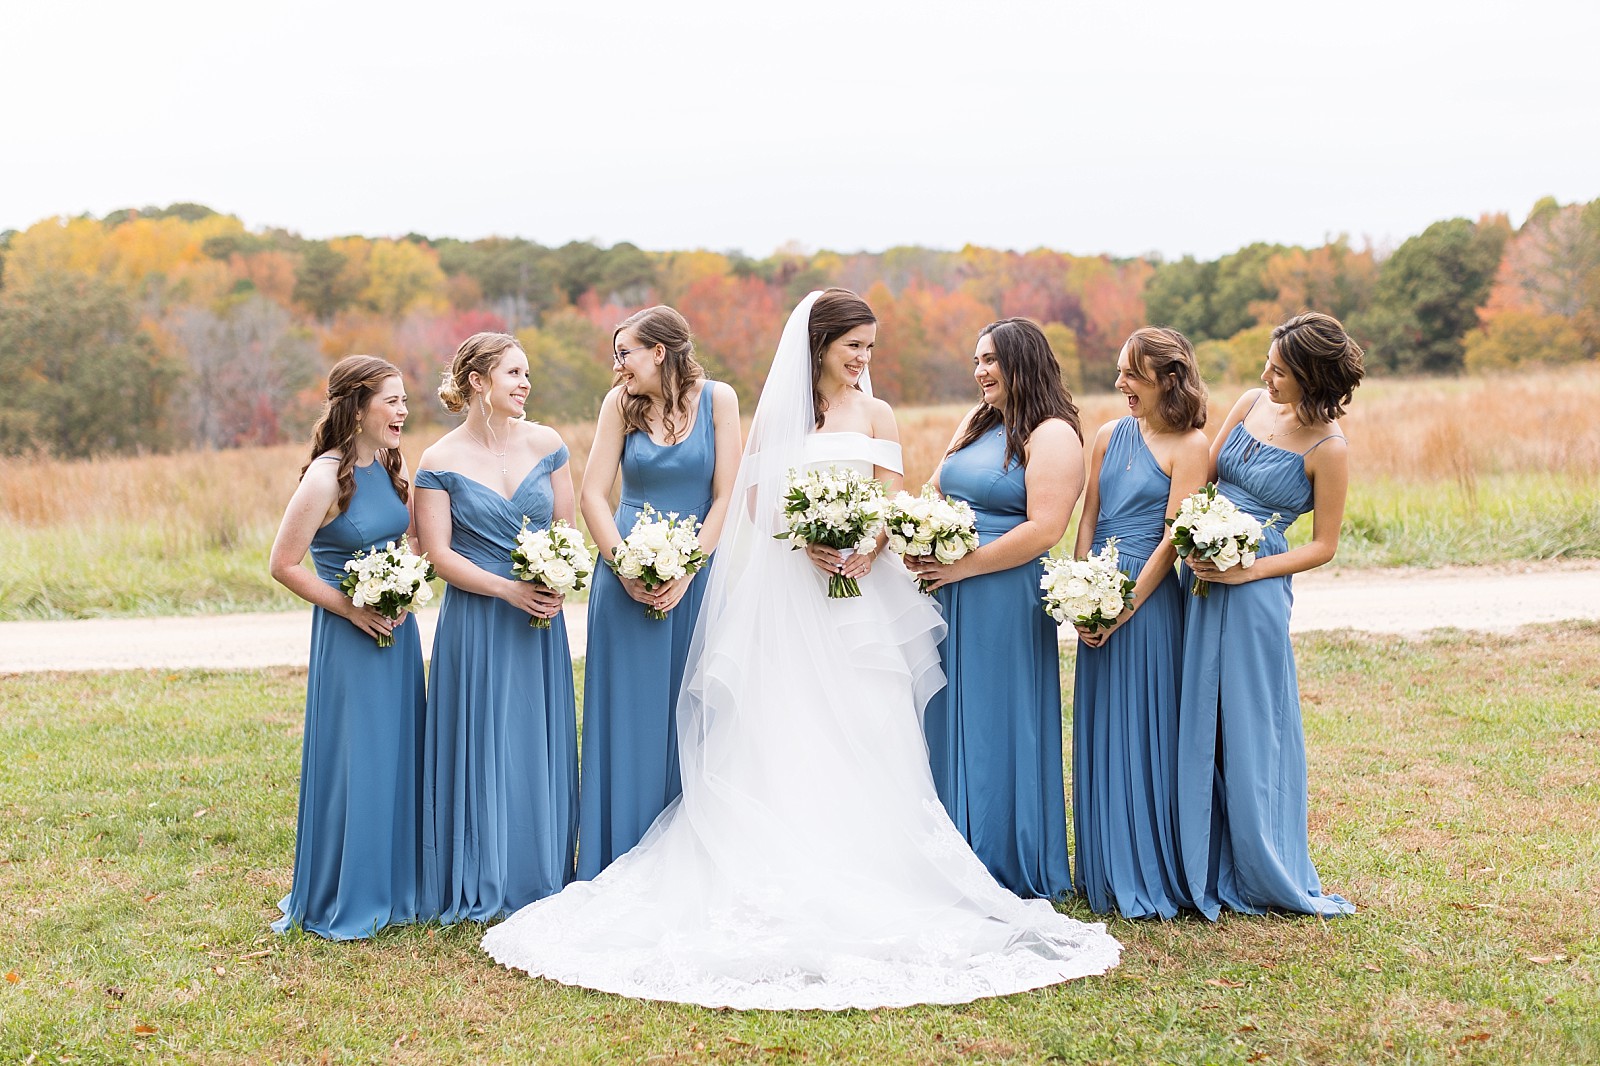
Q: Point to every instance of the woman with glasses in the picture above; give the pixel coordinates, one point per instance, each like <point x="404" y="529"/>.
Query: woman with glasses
<point x="673" y="436"/>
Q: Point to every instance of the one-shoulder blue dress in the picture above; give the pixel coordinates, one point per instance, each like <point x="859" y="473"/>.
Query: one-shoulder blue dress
<point x="358" y="835"/>
<point x="994" y="732"/>
<point x="1125" y="708"/>
<point x="635" y="663"/>
<point x="1242" y="791"/>
<point x="500" y="819"/>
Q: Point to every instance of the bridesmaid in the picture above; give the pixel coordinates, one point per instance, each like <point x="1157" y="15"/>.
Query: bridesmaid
<point x="358" y="838"/>
<point x="1125" y="699"/>
<point x="1241" y="752"/>
<point x="994" y="732"/>
<point x="674" y="437"/>
<point x="500" y="814"/>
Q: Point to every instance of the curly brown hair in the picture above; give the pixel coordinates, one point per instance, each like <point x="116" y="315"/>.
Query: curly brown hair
<point x="351" y="385"/>
<point x="680" y="371"/>
<point x="1165" y="358"/>
<point x="1324" y="361"/>
<point x="1034" y="389"/>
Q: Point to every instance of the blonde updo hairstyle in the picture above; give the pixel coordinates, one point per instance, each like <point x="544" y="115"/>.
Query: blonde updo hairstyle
<point x="479" y="354"/>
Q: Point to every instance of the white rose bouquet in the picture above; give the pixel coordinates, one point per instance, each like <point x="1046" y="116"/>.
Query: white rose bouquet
<point x="1211" y="526"/>
<point x="659" y="548"/>
<point x="930" y="524"/>
<point x="837" y="509"/>
<point x="391" y="580"/>
<point x="556" y="558"/>
<point x="1090" y="592"/>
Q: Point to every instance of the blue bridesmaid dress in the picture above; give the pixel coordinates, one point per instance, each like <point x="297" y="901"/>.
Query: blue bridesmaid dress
<point x="1241" y="750"/>
<point x="994" y="732"/>
<point x="635" y="663"/>
<point x="500" y="806"/>
<point x="1125" y="708"/>
<point x="358" y="836"/>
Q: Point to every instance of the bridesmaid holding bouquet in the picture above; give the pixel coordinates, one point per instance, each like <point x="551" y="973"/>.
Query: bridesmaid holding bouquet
<point x="500" y="812"/>
<point x="994" y="731"/>
<point x="673" y="435"/>
<point x="358" y="839"/>
<point x="1242" y="792"/>
<point x="1125" y="696"/>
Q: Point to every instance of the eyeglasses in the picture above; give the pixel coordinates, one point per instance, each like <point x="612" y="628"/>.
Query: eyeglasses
<point x="622" y="353"/>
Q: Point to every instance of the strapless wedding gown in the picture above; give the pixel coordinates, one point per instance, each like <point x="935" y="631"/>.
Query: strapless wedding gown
<point x="809" y="862"/>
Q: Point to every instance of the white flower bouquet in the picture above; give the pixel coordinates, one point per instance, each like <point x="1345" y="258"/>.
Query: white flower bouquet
<point x="930" y="524"/>
<point x="1089" y="592"/>
<point x="837" y="509"/>
<point x="391" y="580"/>
<point x="659" y="548"/>
<point x="556" y="558"/>
<point x="1211" y="526"/>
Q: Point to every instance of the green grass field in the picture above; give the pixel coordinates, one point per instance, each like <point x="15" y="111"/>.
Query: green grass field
<point x="149" y="817"/>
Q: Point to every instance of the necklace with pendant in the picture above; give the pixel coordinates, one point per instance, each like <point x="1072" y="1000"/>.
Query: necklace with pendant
<point x="501" y="455"/>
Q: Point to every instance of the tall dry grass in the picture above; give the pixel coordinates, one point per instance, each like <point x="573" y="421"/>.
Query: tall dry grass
<point x="1442" y="471"/>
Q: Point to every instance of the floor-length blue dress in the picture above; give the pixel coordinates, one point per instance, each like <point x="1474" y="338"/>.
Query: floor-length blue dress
<point x="1242" y="790"/>
<point x="1125" y="708"/>
<point x="994" y="732"/>
<point x="358" y="835"/>
<point x="500" y="819"/>
<point x="635" y="663"/>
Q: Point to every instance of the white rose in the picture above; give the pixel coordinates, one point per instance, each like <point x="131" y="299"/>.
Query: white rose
<point x="949" y="551"/>
<point x="558" y="574"/>
<point x="628" y="565"/>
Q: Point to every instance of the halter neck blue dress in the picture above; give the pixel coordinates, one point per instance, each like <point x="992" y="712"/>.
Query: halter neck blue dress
<point x="358" y="834"/>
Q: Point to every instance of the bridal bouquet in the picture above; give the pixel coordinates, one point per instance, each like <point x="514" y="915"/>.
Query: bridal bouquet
<point x="1211" y="526"/>
<point x="391" y="580"/>
<point x="930" y="524"/>
<point x="659" y="549"/>
<point x="556" y="558"/>
<point x="1090" y="592"/>
<point x="837" y="509"/>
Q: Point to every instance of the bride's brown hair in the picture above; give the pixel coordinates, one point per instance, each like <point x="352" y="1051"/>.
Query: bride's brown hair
<point x="351" y="385"/>
<point x="836" y="312"/>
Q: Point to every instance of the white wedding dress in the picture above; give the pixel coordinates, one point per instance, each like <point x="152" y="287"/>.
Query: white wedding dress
<point x="809" y="862"/>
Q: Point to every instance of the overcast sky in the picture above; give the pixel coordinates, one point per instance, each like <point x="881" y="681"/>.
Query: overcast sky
<point x="1119" y="127"/>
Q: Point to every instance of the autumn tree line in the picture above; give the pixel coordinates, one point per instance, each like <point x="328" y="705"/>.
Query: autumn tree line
<point x="178" y="327"/>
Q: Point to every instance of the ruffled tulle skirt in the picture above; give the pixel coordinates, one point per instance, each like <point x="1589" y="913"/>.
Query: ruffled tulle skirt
<point x="809" y="862"/>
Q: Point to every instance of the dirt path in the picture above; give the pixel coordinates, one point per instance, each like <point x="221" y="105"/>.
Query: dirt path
<point x="1406" y="602"/>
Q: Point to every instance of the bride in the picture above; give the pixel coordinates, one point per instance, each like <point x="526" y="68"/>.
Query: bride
<point x="809" y="862"/>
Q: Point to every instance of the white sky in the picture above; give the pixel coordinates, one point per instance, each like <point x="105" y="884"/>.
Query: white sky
<point x="1117" y="126"/>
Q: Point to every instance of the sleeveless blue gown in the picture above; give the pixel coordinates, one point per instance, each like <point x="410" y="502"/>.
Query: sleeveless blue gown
<point x="500" y="805"/>
<point x="1242" y="788"/>
<point x="635" y="664"/>
<point x="358" y="836"/>
<point x="994" y="732"/>
<point x="1125" y="708"/>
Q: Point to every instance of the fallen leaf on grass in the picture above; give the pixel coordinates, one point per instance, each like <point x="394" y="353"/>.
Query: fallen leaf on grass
<point x="1537" y="960"/>
<point x="145" y="1030"/>
<point x="1471" y="1038"/>
<point x="1257" y="1057"/>
<point x="115" y="992"/>
<point x="13" y="976"/>
<point x="256" y="954"/>
<point x="1373" y="967"/>
<point x="1223" y="982"/>
<point x="1245" y="1029"/>
<point x="219" y="971"/>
